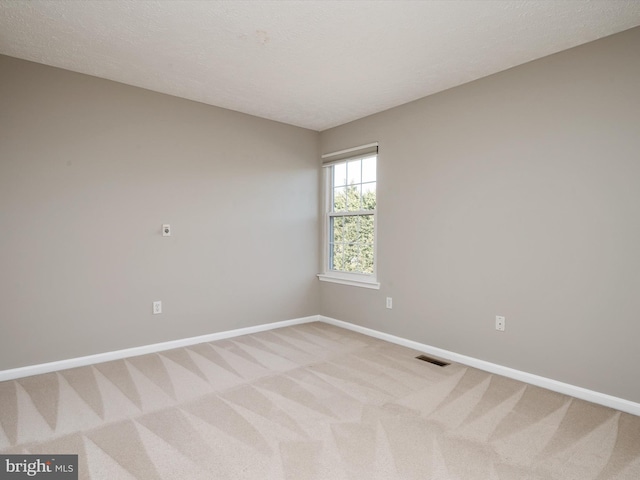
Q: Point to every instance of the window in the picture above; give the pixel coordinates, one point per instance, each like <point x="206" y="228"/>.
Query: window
<point x="350" y="219"/>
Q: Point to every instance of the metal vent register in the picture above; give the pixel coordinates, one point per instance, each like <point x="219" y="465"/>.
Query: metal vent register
<point x="435" y="361"/>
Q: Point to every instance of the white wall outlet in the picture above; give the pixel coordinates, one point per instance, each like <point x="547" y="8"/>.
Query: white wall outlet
<point x="500" y="323"/>
<point x="166" y="230"/>
<point x="389" y="302"/>
<point x="157" y="307"/>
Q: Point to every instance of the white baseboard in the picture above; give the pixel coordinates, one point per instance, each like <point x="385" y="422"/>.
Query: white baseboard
<point x="560" y="387"/>
<point x="143" y="350"/>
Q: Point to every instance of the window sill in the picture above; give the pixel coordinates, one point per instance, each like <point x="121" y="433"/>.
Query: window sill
<point x="354" y="281"/>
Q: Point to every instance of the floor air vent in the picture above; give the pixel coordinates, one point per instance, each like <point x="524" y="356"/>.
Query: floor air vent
<point x="435" y="361"/>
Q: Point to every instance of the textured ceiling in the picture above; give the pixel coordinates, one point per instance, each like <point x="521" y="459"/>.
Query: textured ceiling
<point x="315" y="64"/>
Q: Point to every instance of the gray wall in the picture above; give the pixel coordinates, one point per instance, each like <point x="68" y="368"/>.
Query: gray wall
<point x="91" y="169"/>
<point x="517" y="195"/>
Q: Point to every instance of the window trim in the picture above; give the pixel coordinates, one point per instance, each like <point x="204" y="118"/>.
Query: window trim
<point x="363" y="280"/>
<point x="347" y="278"/>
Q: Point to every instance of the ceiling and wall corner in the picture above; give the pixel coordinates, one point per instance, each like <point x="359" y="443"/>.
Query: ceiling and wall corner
<point x="312" y="64"/>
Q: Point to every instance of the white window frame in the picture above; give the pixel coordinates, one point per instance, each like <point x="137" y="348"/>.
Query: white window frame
<point x="346" y="278"/>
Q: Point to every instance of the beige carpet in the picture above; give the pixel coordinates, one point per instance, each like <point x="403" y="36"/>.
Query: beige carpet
<point x="311" y="402"/>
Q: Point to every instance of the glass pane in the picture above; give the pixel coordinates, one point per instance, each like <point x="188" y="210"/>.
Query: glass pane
<point x="369" y="169"/>
<point x="369" y="196"/>
<point x="340" y="175"/>
<point x="366" y="229"/>
<point x="354" y="172"/>
<point x="337" y="230"/>
<point x="353" y="198"/>
<point x="351" y="257"/>
<point x="366" y="254"/>
<point x="350" y="229"/>
<point x="337" y="257"/>
<point x="358" y="236"/>
<point x="339" y="199"/>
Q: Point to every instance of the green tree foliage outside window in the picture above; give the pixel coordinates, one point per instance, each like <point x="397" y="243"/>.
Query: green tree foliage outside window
<point x="352" y="236"/>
